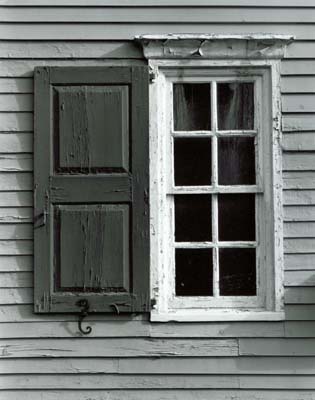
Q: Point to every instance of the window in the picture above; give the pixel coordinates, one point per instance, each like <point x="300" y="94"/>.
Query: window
<point x="215" y="167"/>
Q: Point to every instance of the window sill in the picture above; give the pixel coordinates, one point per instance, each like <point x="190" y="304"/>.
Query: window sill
<point x="217" y="315"/>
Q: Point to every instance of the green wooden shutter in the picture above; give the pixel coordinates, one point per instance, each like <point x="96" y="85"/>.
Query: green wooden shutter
<point x="91" y="227"/>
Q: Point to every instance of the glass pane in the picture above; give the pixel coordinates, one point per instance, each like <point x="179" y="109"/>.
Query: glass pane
<point x="236" y="217"/>
<point x="192" y="218"/>
<point x="192" y="106"/>
<point x="237" y="272"/>
<point x="236" y="161"/>
<point x="235" y="106"/>
<point x="193" y="272"/>
<point x="192" y="161"/>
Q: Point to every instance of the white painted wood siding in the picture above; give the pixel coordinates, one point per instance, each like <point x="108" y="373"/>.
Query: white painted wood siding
<point x="43" y="356"/>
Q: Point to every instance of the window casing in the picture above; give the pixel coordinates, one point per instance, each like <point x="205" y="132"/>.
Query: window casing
<point x="170" y="248"/>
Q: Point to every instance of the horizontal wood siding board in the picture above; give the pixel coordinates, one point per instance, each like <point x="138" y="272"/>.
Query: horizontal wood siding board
<point x="299" y="197"/>
<point x="124" y="31"/>
<point x="299" y="161"/>
<point x="299" y="213"/>
<point x="16" y="215"/>
<point x="117" y="328"/>
<point x="300" y="295"/>
<point x="153" y="14"/>
<point x="298" y="84"/>
<point x="299" y="229"/>
<point x="108" y="381"/>
<point x="299" y="245"/>
<point x="298" y="122"/>
<point x="300" y="278"/>
<point x="299" y="180"/>
<point x="276" y="347"/>
<point x="16" y="85"/>
<point x="160" y="3"/>
<point x="16" y="102"/>
<point x="16" y="263"/>
<point x="295" y="103"/>
<point x="182" y="394"/>
<point x="16" y="279"/>
<point x="16" y="231"/>
<point x="172" y="366"/>
<point x="25" y="68"/>
<point x="300" y="312"/>
<point x="299" y="261"/>
<point x="118" y="49"/>
<point x="298" y="141"/>
<point x="70" y="50"/>
<point x="299" y="328"/>
<point x="15" y="296"/>
<point x="119" y="348"/>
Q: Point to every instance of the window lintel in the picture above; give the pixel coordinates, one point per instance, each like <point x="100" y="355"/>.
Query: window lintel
<point x="213" y="46"/>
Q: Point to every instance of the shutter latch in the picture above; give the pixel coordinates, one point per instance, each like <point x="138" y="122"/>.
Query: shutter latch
<point x="84" y="305"/>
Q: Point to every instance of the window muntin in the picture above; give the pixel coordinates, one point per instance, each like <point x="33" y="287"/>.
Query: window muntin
<point x="221" y="164"/>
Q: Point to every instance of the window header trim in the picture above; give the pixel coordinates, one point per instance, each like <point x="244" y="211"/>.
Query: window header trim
<point x="213" y="46"/>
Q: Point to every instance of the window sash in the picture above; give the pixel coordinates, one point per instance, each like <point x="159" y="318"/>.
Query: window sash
<point x="216" y="300"/>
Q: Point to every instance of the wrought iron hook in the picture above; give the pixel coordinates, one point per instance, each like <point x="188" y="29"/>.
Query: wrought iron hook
<point x="84" y="305"/>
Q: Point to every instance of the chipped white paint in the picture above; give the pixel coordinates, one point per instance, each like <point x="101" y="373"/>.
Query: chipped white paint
<point x="214" y="46"/>
<point x="268" y="304"/>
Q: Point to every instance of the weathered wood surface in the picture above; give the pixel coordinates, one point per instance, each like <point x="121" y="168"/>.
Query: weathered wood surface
<point x="108" y="381"/>
<point x="300" y="278"/>
<point x="299" y="245"/>
<point x="196" y="366"/>
<point x="16" y="163"/>
<point x="298" y="103"/>
<point x="299" y="180"/>
<point x="16" y="102"/>
<point x="298" y="161"/>
<point x="299" y="197"/>
<point x="182" y="394"/>
<point x="298" y="141"/>
<point x="276" y="347"/>
<point x="16" y="215"/>
<point x="117" y="328"/>
<point x="15" y="296"/>
<point x="16" y="263"/>
<point x="299" y="261"/>
<point x="300" y="295"/>
<point x="299" y="213"/>
<point x="16" y="122"/>
<point x="167" y="3"/>
<point x="154" y="15"/>
<point x="16" y="279"/>
<point x="125" y="31"/>
<point x="299" y="84"/>
<point x="16" y="143"/>
<point x="25" y="68"/>
<point x="122" y="49"/>
<point x="119" y="348"/>
<point x="18" y="85"/>
<point x="299" y="229"/>
<point x="298" y="122"/>
<point x="299" y="312"/>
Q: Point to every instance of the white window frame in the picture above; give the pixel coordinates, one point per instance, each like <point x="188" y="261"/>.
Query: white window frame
<point x="265" y="72"/>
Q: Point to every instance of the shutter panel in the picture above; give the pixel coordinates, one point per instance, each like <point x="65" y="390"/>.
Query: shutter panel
<point x="91" y="227"/>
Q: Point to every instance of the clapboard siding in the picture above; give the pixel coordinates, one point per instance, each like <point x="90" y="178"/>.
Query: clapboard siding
<point x="159" y="394"/>
<point x="145" y="15"/>
<point x="124" y="31"/>
<point x="45" y="357"/>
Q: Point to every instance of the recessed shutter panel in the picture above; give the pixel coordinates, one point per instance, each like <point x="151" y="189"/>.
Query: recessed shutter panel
<point x="91" y="172"/>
